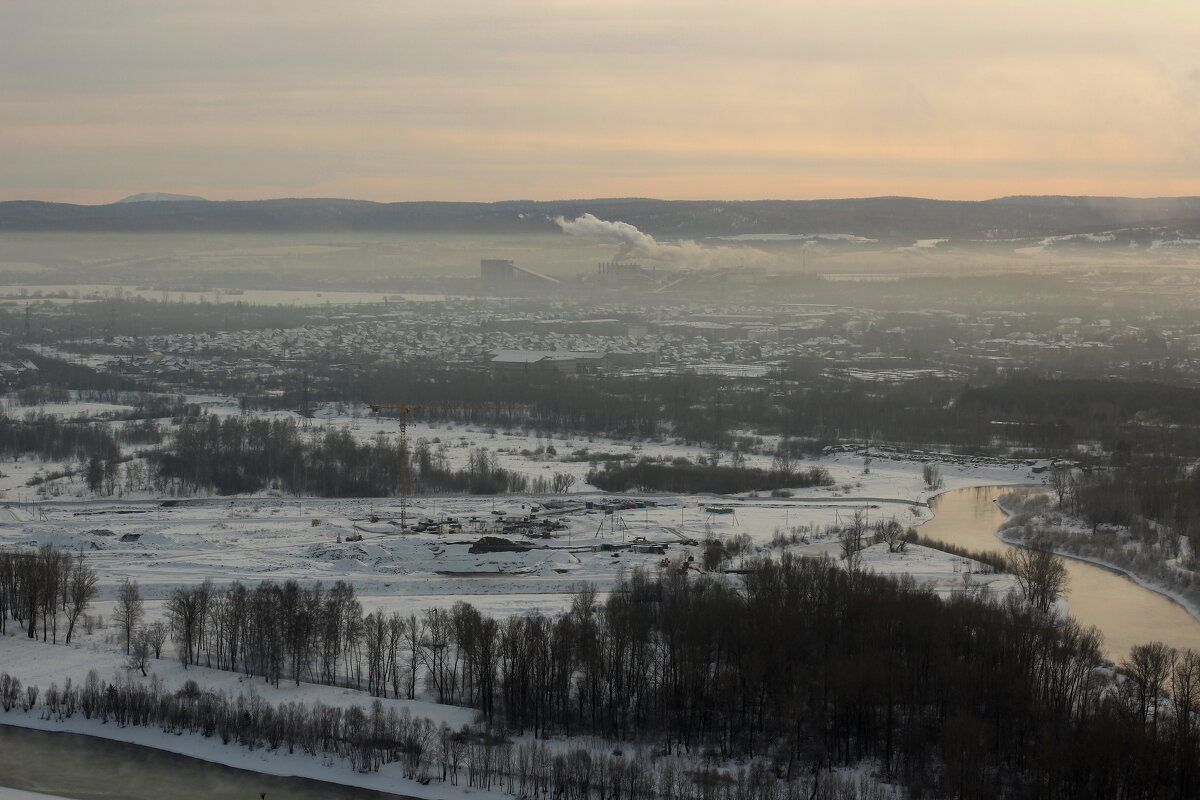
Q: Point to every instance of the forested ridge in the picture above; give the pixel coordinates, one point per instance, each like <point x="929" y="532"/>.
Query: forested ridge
<point x="802" y="663"/>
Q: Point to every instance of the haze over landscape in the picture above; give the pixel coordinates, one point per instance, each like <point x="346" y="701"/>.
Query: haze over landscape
<point x="675" y="399"/>
<point x="678" y="99"/>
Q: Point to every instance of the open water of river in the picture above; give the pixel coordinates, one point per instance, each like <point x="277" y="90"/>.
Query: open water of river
<point x="1125" y="612"/>
<point x="89" y="768"/>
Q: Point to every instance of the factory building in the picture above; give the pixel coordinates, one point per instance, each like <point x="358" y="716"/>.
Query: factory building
<point x="505" y="270"/>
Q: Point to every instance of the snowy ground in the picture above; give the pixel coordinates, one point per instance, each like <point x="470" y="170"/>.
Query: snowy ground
<point x="41" y="664"/>
<point x="941" y="572"/>
<point x="163" y="544"/>
<point x="17" y="794"/>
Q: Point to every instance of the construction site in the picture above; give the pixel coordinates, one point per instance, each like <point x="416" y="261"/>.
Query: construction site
<point x="535" y="526"/>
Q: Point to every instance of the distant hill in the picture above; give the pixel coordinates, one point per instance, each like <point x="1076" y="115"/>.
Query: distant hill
<point x="884" y="218"/>
<point x="158" y="197"/>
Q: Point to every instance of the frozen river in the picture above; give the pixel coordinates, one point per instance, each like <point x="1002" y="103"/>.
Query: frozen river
<point x="1125" y="612"/>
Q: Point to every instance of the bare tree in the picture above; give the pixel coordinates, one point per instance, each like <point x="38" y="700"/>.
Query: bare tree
<point x="1185" y="690"/>
<point x="1151" y="666"/>
<point x="563" y="481"/>
<point x="183" y="608"/>
<point x="156" y="635"/>
<point x="850" y="541"/>
<point x="139" y="652"/>
<point x="1041" y="577"/>
<point x="1061" y="481"/>
<point x="785" y="462"/>
<point x="893" y="534"/>
<point x="932" y="476"/>
<point x="78" y="592"/>
<point x="129" y="610"/>
<point x="714" y="554"/>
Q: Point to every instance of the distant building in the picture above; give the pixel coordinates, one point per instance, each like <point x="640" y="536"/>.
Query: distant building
<point x="505" y="270"/>
<point x="497" y="270"/>
<point x="567" y="361"/>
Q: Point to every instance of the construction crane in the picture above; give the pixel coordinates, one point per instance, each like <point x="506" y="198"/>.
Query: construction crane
<point x="404" y="409"/>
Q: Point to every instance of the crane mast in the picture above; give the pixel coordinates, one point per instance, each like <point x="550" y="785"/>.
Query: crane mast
<point x="404" y="489"/>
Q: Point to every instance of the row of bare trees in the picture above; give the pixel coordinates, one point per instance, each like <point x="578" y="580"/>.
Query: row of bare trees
<point x="473" y="756"/>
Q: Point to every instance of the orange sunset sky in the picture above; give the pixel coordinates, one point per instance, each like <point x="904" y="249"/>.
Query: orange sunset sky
<point x="491" y="100"/>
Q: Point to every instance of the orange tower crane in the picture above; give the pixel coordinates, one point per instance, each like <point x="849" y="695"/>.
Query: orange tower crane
<point x="404" y="409"/>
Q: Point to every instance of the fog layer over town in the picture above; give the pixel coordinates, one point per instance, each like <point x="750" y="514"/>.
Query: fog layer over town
<point x="495" y="478"/>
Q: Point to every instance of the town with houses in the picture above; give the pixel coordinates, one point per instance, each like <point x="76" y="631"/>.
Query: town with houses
<point x="854" y="344"/>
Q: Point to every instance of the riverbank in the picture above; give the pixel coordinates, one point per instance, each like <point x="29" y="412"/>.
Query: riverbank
<point x="38" y="664"/>
<point x="7" y="793"/>
<point x="1127" y="613"/>
<point x="325" y="769"/>
<point x="1190" y="602"/>
<point x="73" y="766"/>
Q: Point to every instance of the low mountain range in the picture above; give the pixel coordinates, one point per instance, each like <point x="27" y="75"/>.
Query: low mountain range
<point x="1093" y="220"/>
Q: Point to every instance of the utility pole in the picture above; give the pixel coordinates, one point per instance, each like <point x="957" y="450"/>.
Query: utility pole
<point x="304" y="410"/>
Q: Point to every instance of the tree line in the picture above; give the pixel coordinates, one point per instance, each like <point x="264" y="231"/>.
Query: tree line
<point x="800" y="662"/>
<point x="687" y="478"/>
<point x="1024" y="412"/>
<point x="1167" y="496"/>
<point x="241" y="455"/>
<point x="473" y="756"/>
<point x="1144" y="519"/>
<point x="52" y="438"/>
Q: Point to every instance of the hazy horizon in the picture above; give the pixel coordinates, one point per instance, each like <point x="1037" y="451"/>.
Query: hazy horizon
<point x="126" y="198"/>
<point x="479" y="101"/>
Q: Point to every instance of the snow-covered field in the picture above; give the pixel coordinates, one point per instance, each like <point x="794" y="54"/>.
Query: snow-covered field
<point x="163" y="543"/>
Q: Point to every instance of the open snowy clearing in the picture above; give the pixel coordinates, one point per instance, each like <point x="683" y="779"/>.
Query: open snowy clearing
<point x="163" y="543"/>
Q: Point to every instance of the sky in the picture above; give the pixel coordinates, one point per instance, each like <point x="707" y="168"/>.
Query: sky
<point x="395" y="100"/>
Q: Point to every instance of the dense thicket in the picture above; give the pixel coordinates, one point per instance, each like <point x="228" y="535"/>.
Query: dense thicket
<point x="52" y="438"/>
<point x="1157" y="507"/>
<point x="1166" y="495"/>
<point x="802" y="663"/>
<point x="235" y="454"/>
<point x="39" y="589"/>
<point x="649" y="476"/>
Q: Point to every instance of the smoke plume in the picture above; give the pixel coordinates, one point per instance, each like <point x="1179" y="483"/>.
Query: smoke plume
<point x="634" y="245"/>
